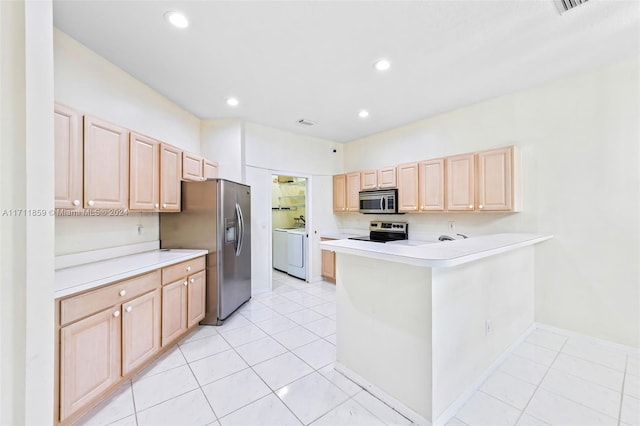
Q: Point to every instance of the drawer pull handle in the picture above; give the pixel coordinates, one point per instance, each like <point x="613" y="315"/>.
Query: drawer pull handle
<point x="116" y="314"/>
<point x="129" y="308"/>
<point x="188" y="268"/>
<point x="193" y="280"/>
<point x="123" y="292"/>
<point x="185" y="283"/>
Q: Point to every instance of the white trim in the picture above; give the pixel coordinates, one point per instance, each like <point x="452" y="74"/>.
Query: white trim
<point x="580" y="336"/>
<point x="382" y="395"/>
<point x="75" y="259"/>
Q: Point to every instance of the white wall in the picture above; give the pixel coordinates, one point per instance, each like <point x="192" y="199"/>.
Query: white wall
<point x="90" y="83"/>
<point x="26" y="241"/>
<point x="222" y="141"/>
<point x="579" y="138"/>
<point x="271" y="151"/>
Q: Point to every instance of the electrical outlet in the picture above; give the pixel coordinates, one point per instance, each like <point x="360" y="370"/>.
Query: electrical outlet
<point x="452" y="227"/>
<point x="488" y="327"/>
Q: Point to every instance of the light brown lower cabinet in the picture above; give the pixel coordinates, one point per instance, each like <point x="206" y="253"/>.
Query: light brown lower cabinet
<point x="108" y="334"/>
<point x="328" y="271"/>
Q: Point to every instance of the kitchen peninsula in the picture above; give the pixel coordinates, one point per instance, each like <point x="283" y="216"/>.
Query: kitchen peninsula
<point x="419" y="324"/>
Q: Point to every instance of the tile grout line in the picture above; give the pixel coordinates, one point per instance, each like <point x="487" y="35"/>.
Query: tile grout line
<point x="541" y="380"/>
<point x="624" y="380"/>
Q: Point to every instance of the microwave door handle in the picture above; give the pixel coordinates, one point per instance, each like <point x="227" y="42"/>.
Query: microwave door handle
<point x="381" y="203"/>
<point x="384" y="203"/>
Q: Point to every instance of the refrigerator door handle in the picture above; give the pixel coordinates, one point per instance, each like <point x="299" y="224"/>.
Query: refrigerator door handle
<point x="240" y="238"/>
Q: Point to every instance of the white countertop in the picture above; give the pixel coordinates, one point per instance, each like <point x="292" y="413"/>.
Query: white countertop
<point x="90" y="275"/>
<point x="339" y="234"/>
<point x="436" y="254"/>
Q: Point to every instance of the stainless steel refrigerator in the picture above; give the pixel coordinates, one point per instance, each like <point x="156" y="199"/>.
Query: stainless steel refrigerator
<point x="215" y="216"/>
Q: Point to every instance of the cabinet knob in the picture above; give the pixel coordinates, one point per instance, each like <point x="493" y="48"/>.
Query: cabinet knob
<point x="90" y="202"/>
<point x="185" y="283"/>
<point x="193" y="280"/>
<point x="470" y="206"/>
<point x="480" y="206"/>
<point x="164" y="205"/>
<point x="129" y="308"/>
<point x="116" y="314"/>
<point x="157" y="205"/>
<point x="123" y="292"/>
<point x="188" y="268"/>
<point x="76" y="203"/>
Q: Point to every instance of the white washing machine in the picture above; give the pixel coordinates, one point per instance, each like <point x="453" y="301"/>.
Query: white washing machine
<point x="296" y="253"/>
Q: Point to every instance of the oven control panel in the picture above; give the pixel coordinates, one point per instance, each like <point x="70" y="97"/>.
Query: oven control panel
<point x="388" y="226"/>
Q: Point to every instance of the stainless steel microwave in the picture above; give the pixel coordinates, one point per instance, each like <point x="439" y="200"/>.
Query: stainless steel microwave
<point x="379" y="202"/>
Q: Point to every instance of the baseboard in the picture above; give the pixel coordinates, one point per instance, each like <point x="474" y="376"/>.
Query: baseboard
<point x="382" y="395"/>
<point x="588" y="338"/>
<point x="456" y="405"/>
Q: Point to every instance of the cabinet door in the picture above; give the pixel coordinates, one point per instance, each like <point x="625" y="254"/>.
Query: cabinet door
<point x="106" y="165"/>
<point x="353" y="189"/>
<point x="89" y="359"/>
<point x="408" y="187"/>
<point x="460" y="182"/>
<point x="170" y="178"/>
<point x="196" y="298"/>
<point x="174" y="310"/>
<point x="328" y="270"/>
<point x="210" y="169"/>
<point x="68" y="157"/>
<point x="339" y="193"/>
<point x="495" y="180"/>
<point x="387" y="178"/>
<point x="144" y="172"/>
<point x="191" y="167"/>
<point x="140" y="330"/>
<point x="368" y="180"/>
<point x="432" y="185"/>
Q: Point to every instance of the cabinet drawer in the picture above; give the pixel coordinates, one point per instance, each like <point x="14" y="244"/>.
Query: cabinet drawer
<point x="77" y="307"/>
<point x="180" y="270"/>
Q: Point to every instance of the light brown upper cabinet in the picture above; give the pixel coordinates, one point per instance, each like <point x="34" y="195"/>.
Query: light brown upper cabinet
<point x="210" y="169"/>
<point x="170" y="178"/>
<point x="106" y="164"/>
<point x="144" y="185"/>
<point x="68" y="157"/>
<point x="378" y="179"/>
<point x="340" y="193"/>
<point x="353" y="190"/>
<point x="498" y="179"/>
<point x="432" y="185"/>
<point x="192" y="167"/>
<point x="461" y="182"/>
<point x="408" y="187"/>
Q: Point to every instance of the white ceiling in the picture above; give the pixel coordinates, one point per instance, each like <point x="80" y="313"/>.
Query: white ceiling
<point x="288" y="60"/>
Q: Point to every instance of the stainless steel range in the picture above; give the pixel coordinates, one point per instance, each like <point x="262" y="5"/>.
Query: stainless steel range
<point x="381" y="232"/>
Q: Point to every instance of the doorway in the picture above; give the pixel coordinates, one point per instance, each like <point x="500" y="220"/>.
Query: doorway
<point x="289" y="225"/>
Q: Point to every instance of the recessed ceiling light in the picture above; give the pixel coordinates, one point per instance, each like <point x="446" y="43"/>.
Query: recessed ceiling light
<point x="233" y="102"/>
<point x="176" y="19"/>
<point x="363" y="114"/>
<point x="382" y="64"/>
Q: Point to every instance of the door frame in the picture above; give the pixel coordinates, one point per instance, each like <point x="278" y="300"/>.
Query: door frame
<point x="308" y="222"/>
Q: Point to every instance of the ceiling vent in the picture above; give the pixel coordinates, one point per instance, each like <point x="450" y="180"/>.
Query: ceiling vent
<point x="567" y="5"/>
<point x="306" y="122"/>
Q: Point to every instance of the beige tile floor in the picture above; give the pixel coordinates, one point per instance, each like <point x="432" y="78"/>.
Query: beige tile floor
<point x="272" y="364"/>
